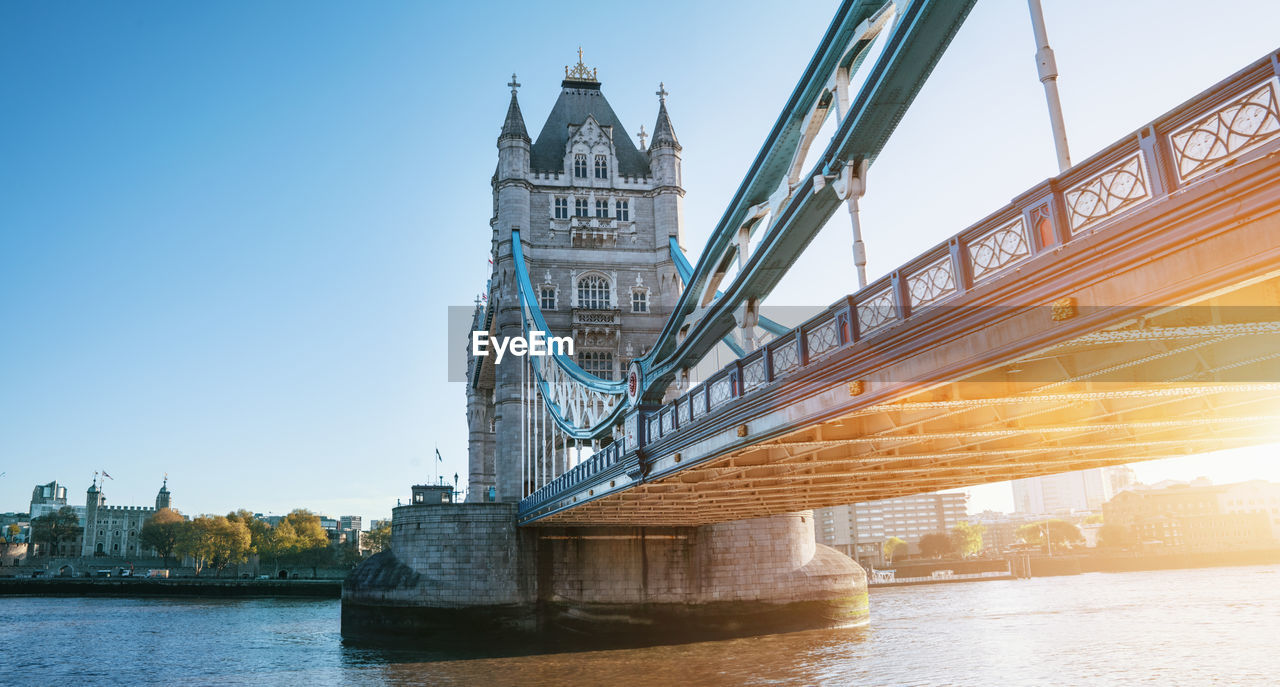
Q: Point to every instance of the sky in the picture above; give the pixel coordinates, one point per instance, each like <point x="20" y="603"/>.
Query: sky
<point x="229" y="232"/>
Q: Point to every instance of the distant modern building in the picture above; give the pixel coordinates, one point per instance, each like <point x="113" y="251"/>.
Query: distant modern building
<point x="47" y="498"/>
<point x="859" y="530"/>
<point x="1200" y="517"/>
<point x="116" y="530"/>
<point x="50" y="498"/>
<point x="350" y="522"/>
<point x="1083" y="490"/>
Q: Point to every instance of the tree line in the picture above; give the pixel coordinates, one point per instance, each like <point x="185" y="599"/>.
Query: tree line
<point x="219" y="541"/>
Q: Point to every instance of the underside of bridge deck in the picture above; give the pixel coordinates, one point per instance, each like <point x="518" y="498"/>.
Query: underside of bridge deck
<point x="1185" y="380"/>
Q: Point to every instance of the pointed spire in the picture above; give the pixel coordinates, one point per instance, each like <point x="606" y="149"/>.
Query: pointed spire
<point x="664" y="136"/>
<point x="513" y="127"/>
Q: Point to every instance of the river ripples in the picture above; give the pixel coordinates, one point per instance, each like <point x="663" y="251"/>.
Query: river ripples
<point x="1177" y="627"/>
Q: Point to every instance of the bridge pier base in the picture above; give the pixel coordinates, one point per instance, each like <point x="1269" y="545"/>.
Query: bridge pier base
<point x="464" y="572"/>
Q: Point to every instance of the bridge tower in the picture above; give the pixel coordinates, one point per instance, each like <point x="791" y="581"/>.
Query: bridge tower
<point x="595" y="212"/>
<point x="595" y="216"/>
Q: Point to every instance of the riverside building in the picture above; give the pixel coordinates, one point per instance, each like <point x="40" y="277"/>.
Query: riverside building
<point x="859" y="530"/>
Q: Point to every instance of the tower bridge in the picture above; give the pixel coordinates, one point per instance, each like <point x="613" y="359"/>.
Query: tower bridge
<point x="1125" y="309"/>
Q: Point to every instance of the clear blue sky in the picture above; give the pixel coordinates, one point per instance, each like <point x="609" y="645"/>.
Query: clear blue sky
<point x="229" y="231"/>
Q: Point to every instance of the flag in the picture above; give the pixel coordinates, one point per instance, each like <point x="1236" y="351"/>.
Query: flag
<point x="438" y="458"/>
<point x="104" y="474"/>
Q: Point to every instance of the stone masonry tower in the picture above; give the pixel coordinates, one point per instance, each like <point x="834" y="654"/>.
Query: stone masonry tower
<point x="595" y="214"/>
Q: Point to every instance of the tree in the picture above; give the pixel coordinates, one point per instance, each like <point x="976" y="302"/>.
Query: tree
<point x="280" y="542"/>
<point x="230" y="543"/>
<point x="1060" y="532"/>
<point x="13" y="530"/>
<point x="161" y="532"/>
<point x="214" y="542"/>
<point x="892" y="546"/>
<point x="1116" y="536"/>
<point x="259" y="532"/>
<point x="935" y="545"/>
<point x="195" y="540"/>
<point x="312" y="548"/>
<point x="966" y="539"/>
<point x="55" y="528"/>
<point x="379" y="538"/>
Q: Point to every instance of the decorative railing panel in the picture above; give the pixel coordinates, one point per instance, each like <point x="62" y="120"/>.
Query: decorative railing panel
<point x="753" y="375"/>
<point x="721" y="390"/>
<point x="822" y="339"/>
<point x="1108" y="193"/>
<point x="998" y="248"/>
<point x="786" y="357"/>
<point x="597" y="317"/>
<point x="1233" y="128"/>
<point x="875" y="310"/>
<point x="934" y="282"/>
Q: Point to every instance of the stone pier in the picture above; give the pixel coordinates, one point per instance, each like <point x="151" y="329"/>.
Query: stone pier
<point x="464" y="570"/>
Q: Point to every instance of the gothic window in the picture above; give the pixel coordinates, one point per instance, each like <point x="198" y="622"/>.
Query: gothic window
<point x="547" y="298"/>
<point x="622" y="210"/>
<point x="593" y="292"/>
<point x="580" y="166"/>
<point x="602" y="209"/>
<point x="562" y="207"/>
<point x="602" y="167"/>
<point x="598" y="363"/>
<point x="640" y="300"/>
<point x="580" y="207"/>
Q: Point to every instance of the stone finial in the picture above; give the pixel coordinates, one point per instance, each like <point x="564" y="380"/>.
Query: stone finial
<point x="661" y="92"/>
<point x="643" y="136"/>
<point x="514" y="84"/>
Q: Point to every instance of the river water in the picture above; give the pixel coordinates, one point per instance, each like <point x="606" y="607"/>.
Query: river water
<point x="1177" y="627"/>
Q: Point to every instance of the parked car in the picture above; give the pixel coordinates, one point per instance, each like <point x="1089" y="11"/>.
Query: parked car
<point x="158" y="573"/>
<point x="102" y="573"/>
<point x="39" y="573"/>
<point x="264" y="577"/>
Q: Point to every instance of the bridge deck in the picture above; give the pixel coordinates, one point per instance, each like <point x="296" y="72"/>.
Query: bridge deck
<point x="1136" y="319"/>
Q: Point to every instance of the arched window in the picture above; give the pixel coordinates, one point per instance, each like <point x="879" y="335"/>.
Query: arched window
<point x="580" y="165"/>
<point x="593" y="292"/>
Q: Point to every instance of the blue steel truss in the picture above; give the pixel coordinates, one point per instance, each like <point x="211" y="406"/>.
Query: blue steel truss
<point x="798" y="206"/>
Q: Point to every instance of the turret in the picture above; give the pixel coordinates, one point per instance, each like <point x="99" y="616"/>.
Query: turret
<point x="664" y="160"/>
<point x="94" y="498"/>
<point x="162" y="497"/>
<point x="513" y="142"/>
